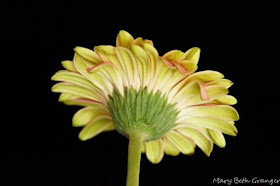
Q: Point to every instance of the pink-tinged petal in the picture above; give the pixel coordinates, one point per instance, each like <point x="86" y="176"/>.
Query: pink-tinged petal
<point x="203" y="76"/>
<point x="170" y="64"/>
<point x="180" y="68"/>
<point x="204" y="94"/>
<point x="195" y="98"/>
<point x="85" y="101"/>
<point x="174" y="55"/>
<point x="96" y="67"/>
<point x="70" y="99"/>
<point x="108" y="54"/>
<point x="82" y="65"/>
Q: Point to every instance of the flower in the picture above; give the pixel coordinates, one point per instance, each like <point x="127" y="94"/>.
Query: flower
<point x="132" y="89"/>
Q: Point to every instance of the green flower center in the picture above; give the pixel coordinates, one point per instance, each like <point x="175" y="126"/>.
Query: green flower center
<point x="148" y="114"/>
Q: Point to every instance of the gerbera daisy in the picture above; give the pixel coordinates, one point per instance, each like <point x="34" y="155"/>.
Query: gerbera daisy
<point x="157" y="102"/>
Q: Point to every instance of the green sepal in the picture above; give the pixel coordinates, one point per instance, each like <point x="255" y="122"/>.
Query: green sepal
<point x="148" y="114"/>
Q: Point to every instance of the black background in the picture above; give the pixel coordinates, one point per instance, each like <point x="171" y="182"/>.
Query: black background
<point x="40" y="146"/>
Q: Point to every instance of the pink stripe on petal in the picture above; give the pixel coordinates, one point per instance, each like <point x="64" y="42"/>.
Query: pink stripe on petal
<point x="180" y="68"/>
<point x="170" y="64"/>
<point x="100" y="64"/>
<point x="208" y="105"/>
<point x="203" y="91"/>
<point x="81" y="100"/>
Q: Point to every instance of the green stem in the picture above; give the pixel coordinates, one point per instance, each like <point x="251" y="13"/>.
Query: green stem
<point x="134" y="157"/>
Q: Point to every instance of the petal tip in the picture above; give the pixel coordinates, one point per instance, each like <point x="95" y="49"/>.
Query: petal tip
<point x="77" y="49"/>
<point x="82" y="138"/>
<point x="124" y="39"/>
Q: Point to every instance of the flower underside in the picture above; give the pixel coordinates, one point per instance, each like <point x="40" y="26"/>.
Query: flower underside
<point x="142" y="112"/>
<point x="131" y="88"/>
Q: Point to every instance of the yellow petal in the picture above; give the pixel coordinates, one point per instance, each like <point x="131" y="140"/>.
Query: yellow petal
<point x="140" y="41"/>
<point x="209" y="123"/>
<point x="124" y="39"/>
<point x="95" y="127"/>
<point x="190" y="66"/>
<point x="203" y="76"/>
<point x="154" y="150"/>
<point x="169" y="148"/>
<point x="174" y="55"/>
<point x="112" y="72"/>
<point x="181" y="142"/>
<point x="222" y="82"/>
<point x="207" y="75"/>
<point x="75" y="90"/>
<point x="215" y="91"/>
<point x="217" y="137"/>
<point x="70" y="99"/>
<point x="165" y="77"/>
<point x="111" y="127"/>
<point x="142" y="58"/>
<point x="223" y="112"/>
<point x="84" y="115"/>
<point x="202" y="130"/>
<point x="108" y="55"/>
<point x="201" y="141"/>
<point x="226" y="99"/>
<point x="149" y="42"/>
<point x="106" y="51"/>
<point x="66" y="96"/>
<point x="69" y="65"/>
<point x="127" y="58"/>
<point x="73" y="77"/>
<point x="87" y="54"/>
<point x="151" y="51"/>
<point x="193" y="55"/>
<point x="82" y="65"/>
<point x="188" y="92"/>
<point x="157" y="76"/>
<point x="170" y="80"/>
<point x="153" y="56"/>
